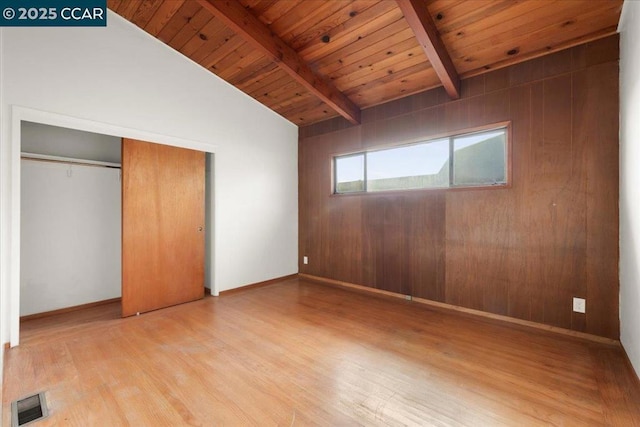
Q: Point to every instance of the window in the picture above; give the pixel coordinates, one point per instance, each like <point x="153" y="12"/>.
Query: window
<point x="349" y="173"/>
<point x="467" y="160"/>
<point x="411" y="166"/>
<point x="480" y="158"/>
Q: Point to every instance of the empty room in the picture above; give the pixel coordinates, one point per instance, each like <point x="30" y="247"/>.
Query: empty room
<point x="320" y="212"/>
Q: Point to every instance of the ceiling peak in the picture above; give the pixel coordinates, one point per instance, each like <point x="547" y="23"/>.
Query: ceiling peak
<point x="240" y="20"/>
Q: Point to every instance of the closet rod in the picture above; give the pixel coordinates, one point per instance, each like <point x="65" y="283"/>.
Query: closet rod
<point x="68" y="160"/>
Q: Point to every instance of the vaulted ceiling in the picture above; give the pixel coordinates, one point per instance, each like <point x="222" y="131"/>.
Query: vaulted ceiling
<point x="310" y="60"/>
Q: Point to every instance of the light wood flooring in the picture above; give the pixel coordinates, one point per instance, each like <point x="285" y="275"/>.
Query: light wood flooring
<point x="297" y="353"/>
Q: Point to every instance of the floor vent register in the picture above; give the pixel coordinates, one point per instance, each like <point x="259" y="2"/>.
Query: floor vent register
<point x="28" y="410"/>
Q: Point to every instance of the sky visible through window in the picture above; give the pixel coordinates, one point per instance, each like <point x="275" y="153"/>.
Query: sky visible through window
<point x="350" y="168"/>
<point x="411" y="160"/>
<point x="467" y="140"/>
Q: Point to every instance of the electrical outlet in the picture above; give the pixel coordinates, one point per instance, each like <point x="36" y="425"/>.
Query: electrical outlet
<point x="305" y="260"/>
<point x="579" y="305"/>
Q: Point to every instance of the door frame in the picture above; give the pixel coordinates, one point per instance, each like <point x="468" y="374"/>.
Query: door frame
<point x="12" y="239"/>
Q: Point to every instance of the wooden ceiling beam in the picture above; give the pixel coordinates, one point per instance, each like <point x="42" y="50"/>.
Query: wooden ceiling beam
<point x="239" y="19"/>
<point x="419" y="19"/>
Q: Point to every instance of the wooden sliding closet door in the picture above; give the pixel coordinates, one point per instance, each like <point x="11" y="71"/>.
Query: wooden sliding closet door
<point x="162" y="226"/>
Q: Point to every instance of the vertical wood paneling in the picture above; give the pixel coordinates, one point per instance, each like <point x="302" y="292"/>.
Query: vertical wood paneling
<point x="424" y="222"/>
<point x="478" y="241"/>
<point x="523" y="251"/>
<point x="536" y="208"/>
<point x="383" y="238"/>
<point x="520" y="290"/>
<point x="526" y="72"/>
<point x="372" y="240"/>
<point x="344" y="239"/>
<point x="496" y="107"/>
<point x="456" y="115"/>
<point x="312" y="193"/>
<point x="598" y="127"/>
<point x="579" y="176"/>
<point x="430" y="121"/>
<point x="304" y="194"/>
<point x="565" y="217"/>
<point x="498" y="79"/>
<point x="330" y="227"/>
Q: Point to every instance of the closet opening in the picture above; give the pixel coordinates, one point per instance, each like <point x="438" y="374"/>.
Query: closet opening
<point x="70" y="234"/>
<point x="33" y="142"/>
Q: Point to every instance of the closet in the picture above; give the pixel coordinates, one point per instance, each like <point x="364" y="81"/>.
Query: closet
<point x="70" y="218"/>
<point x="104" y="218"/>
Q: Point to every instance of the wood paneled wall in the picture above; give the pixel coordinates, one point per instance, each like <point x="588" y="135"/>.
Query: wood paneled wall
<point x="523" y="251"/>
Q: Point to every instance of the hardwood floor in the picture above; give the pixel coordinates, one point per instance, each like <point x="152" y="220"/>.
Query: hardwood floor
<point x="299" y="353"/>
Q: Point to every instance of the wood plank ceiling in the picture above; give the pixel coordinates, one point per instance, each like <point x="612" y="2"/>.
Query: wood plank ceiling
<point x="310" y="60"/>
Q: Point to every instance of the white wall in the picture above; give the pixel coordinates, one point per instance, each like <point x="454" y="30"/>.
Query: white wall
<point x="630" y="181"/>
<point x="124" y="79"/>
<point x="5" y="218"/>
<point x="57" y="141"/>
<point x="209" y="211"/>
<point x="70" y="235"/>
